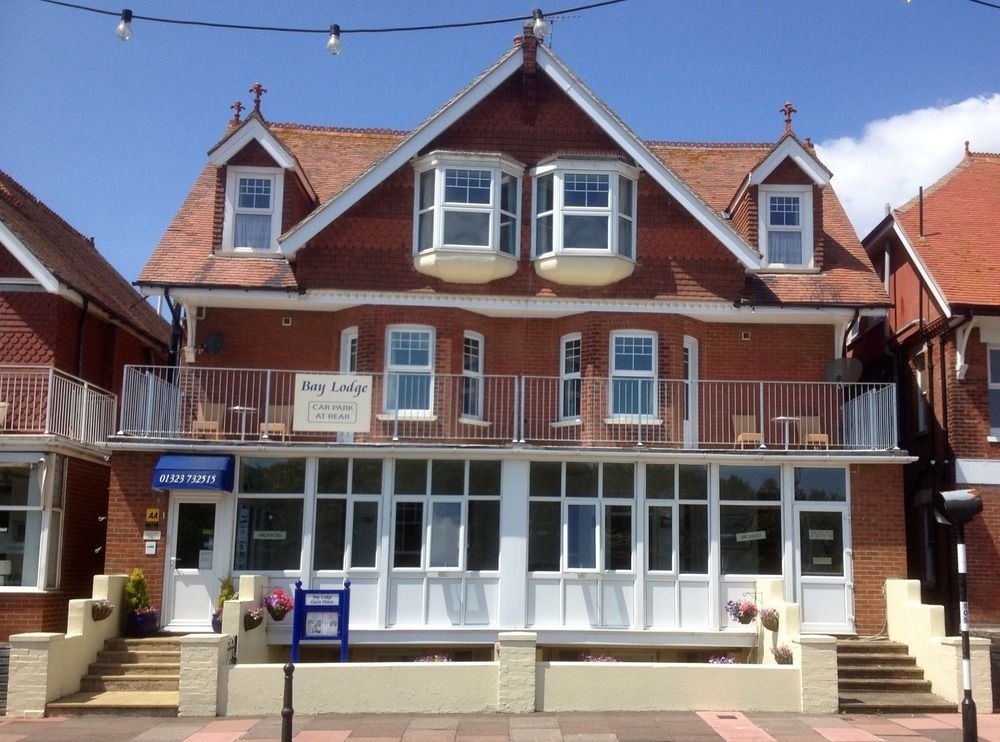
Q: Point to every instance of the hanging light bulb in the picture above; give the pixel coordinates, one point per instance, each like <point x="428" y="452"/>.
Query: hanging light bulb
<point x="540" y="29"/>
<point x="333" y="44"/>
<point x="124" y="30"/>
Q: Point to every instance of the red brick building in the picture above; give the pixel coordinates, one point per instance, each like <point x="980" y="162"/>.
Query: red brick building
<point x="937" y="255"/>
<point x="516" y="368"/>
<point x="68" y="325"/>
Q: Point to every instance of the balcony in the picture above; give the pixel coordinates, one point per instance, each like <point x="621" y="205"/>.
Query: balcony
<point x="259" y="405"/>
<point x="39" y="400"/>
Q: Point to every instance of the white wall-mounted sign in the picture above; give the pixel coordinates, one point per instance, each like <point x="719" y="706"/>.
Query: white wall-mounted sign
<point x="333" y="402"/>
<point x="820" y="534"/>
<point x="751" y="536"/>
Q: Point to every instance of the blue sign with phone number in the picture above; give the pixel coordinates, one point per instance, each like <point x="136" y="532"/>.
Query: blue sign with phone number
<point x="194" y="473"/>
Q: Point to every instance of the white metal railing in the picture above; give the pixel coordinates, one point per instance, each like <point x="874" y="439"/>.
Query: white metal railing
<point x="41" y="400"/>
<point x="254" y="404"/>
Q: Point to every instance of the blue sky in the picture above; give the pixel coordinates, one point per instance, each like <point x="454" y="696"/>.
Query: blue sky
<point x="111" y="135"/>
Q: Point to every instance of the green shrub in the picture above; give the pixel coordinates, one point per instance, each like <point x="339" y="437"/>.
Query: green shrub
<point x="137" y="593"/>
<point x="227" y="591"/>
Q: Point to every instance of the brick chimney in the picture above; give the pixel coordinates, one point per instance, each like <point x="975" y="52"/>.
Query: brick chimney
<point x="529" y="45"/>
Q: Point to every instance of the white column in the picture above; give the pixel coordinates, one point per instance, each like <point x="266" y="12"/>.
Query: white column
<point x="513" y="590"/>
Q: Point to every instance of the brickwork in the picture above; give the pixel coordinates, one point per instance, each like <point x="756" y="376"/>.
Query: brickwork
<point x="28" y="328"/>
<point x="878" y="535"/>
<point x="10" y="267"/>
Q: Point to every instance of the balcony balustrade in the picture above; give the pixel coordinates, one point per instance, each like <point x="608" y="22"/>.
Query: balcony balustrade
<point x="40" y="400"/>
<point x="243" y="405"/>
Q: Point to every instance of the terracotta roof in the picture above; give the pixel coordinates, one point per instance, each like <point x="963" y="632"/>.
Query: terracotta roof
<point x="74" y="260"/>
<point x="961" y="224"/>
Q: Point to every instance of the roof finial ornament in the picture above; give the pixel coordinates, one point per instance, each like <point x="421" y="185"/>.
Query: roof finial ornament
<point x="258" y="90"/>
<point x="237" y="110"/>
<point x="788" y="110"/>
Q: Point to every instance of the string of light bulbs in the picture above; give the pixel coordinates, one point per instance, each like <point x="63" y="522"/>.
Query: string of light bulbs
<point x="539" y="26"/>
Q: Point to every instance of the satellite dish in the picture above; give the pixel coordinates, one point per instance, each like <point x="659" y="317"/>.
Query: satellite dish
<point x="213" y="343"/>
<point x="843" y="369"/>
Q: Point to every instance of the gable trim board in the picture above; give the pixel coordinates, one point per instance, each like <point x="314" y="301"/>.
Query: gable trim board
<point x="27" y="258"/>
<point x="788" y="147"/>
<point x="297" y="237"/>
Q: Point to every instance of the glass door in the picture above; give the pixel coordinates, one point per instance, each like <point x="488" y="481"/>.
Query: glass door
<point x="823" y="566"/>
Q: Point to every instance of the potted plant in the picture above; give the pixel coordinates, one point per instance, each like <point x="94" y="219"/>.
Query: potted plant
<point x="141" y="619"/>
<point x="743" y="611"/>
<point x="782" y="654"/>
<point x="253" y="618"/>
<point x="769" y="618"/>
<point x="226" y="592"/>
<point x="278" y="604"/>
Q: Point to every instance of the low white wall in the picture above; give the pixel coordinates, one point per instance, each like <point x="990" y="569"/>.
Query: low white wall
<point x="649" y="686"/>
<point x="364" y="687"/>
<point x="45" y="666"/>
<point x="921" y="628"/>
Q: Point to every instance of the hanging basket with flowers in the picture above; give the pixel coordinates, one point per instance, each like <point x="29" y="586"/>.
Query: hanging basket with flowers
<point x="743" y="611"/>
<point x="101" y="609"/>
<point x="782" y="654"/>
<point x="278" y="604"/>
<point x="253" y="618"/>
<point x="769" y="618"/>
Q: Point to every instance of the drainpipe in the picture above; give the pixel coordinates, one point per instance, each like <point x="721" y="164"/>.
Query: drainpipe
<point x="79" y="337"/>
<point x="176" y="330"/>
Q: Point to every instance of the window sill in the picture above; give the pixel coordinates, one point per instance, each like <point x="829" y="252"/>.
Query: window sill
<point x="472" y="265"/>
<point x="271" y="253"/>
<point x="632" y="420"/>
<point x="573" y="422"/>
<point x="425" y="417"/>
<point x="475" y="421"/>
<point x="992" y="439"/>
<point x="571" y="269"/>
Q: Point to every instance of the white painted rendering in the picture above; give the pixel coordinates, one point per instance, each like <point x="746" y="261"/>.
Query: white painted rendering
<point x="977" y="471"/>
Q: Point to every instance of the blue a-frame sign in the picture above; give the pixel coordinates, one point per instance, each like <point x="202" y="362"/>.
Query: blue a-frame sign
<point x="321" y="615"/>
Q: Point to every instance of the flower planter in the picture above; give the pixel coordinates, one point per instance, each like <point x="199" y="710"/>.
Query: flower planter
<point x="252" y="620"/>
<point x="142" y="624"/>
<point x="277" y="612"/>
<point x="217" y="622"/>
<point x="100" y="611"/>
<point x="746" y="618"/>
<point x="769" y="621"/>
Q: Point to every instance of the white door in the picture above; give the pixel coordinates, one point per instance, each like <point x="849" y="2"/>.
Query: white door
<point x="197" y="561"/>
<point x="823" y="568"/>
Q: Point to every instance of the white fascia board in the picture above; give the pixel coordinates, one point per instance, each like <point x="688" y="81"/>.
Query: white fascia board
<point x="636" y="148"/>
<point x="977" y="471"/>
<point x="296" y="238"/>
<point x="253" y="129"/>
<point x="28" y="260"/>
<point x="800" y="156"/>
<point x="922" y="269"/>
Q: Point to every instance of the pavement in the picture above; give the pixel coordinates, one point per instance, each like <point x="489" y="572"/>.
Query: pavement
<point x="732" y="726"/>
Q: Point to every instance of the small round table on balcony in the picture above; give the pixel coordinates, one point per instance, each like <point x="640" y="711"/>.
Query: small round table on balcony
<point x="243" y="411"/>
<point x="787" y="420"/>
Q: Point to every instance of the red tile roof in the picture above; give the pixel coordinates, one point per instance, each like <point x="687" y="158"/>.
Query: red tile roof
<point x="74" y="261"/>
<point x="961" y="224"/>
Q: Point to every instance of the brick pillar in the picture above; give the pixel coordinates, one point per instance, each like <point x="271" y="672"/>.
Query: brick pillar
<point x="203" y="657"/>
<point x="515" y="651"/>
<point x="818" y="660"/>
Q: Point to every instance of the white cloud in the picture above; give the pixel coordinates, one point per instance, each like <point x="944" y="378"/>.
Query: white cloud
<point x="895" y="156"/>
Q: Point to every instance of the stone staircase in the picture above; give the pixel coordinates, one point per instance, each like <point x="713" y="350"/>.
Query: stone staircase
<point x="138" y="677"/>
<point x="878" y="676"/>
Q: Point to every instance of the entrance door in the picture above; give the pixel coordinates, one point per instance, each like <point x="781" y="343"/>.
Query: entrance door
<point x="823" y="570"/>
<point x="197" y="562"/>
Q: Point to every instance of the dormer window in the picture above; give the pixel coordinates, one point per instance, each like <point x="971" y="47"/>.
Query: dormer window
<point x="253" y="209"/>
<point x="786" y="233"/>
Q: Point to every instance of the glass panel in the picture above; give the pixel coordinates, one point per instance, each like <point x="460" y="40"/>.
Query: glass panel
<point x="447" y="477"/>
<point x="471" y="355"/>
<point x="633" y="353"/>
<point x="693" y="480"/>
<point x="543" y="194"/>
<point x="195" y="533"/>
<point x="409" y="535"/>
<point x="586" y="190"/>
<point x="821" y="542"/>
<point x="426" y="189"/>
<point x="545" y="479"/>
<point x="331" y="528"/>
<point x="508" y="193"/>
<point x="273" y="476"/>
<point x="750" y="540"/>
<point x="624" y="196"/>
<point x="468" y="228"/>
<point x="617" y="537"/>
<point x="660" y="481"/>
<point x="52" y="558"/>
<point x="14" y="488"/>
<point x="571" y="356"/>
<point x="581" y="479"/>
<point x="619" y="480"/>
<point x="483" y="547"/>
<point x="585" y="232"/>
<point x="994" y="364"/>
<point x="446" y="526"/>
<point x="571" y="398"/>
<point x="784" y="247"/>
<point x="544" y="537"/>
<point x="995" y="409"/>
<point x="694" y="539"/>
<point x="749" y="483"/>
<point x="484" y="478"/>
<point x="467" y="186"/>
<point x="828" y="485"/>
<point x="470" y="397"/>
<point x="366" y="477"/>
<point x="632" y="396"/>
<point x="508" y="234"/>
<point x="409" y="392"/>
<point x="581" y="526"/>
<point x="252" y="230"/>
<point x="784" y="211"/>
<point x="20" y="536"/>
<point x="255" y="193"/>
<point x="411" y="477"/>
<point x="426" y="234"/>
<point x="661" y="538"/>
<point x="543" y="235"/>
<point x="268" y="534"/>
<point x="364" y="534"/>
<point x="410" y="348"/>
<point x="625" y="237"/>
<point x="332" y="478"/>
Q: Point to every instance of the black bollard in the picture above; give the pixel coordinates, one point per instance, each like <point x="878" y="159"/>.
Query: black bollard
<point x="970" y="727"/>
<point x="287" y="712"/>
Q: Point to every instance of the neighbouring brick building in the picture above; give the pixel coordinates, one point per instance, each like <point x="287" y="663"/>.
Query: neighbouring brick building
<point x="938" y="257"/>
<point x="68" y="325"/>
<point x="516" y="368"/>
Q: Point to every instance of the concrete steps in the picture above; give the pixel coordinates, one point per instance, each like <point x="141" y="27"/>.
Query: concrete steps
<point x="131" y="677"/>
<point x="878" y="676"/>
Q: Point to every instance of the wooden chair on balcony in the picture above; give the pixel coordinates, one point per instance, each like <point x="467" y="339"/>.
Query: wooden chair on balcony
<point x="279" y="422"/>
<point x="746" y="431"/>
<point x="4" y="406"/>
<point x="207" y="423"/>
<point x="811" y="434"/>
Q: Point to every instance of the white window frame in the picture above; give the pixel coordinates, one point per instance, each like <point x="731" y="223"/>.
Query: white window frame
<point x="349" y="350"/>
<point x="474" y="375"/>
<point x="391" y="368"/>
<point x="568" y="376"/>
<point x="431" y="502"/>
<point x="233" y="175"/>
<point x="440" y="163"/>
<point x="805" y="195"/>
<point x="351" y="500"/>
<point x="614" y="373"/>
<point x="46" y="531"/>
<point x="991" y="386"/>
<point x="558" y="169"/>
